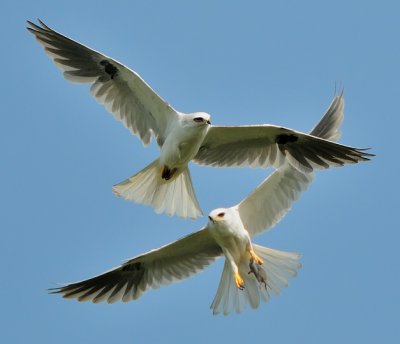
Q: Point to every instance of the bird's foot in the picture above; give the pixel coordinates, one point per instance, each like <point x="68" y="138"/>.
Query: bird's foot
<point x="256" y="258"/>
<point x="239" y="281"/>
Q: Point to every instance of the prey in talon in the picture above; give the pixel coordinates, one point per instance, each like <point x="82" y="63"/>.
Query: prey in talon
<point x="258" y="272"/>
<point x="228" y="233"/>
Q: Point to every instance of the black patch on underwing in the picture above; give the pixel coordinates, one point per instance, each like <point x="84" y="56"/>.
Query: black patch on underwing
<point x="109" y="68"/>
<point x="285" y="138"/>
<point x="133" y="267"/>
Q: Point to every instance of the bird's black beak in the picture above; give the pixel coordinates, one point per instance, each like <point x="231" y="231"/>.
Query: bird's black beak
<point x="211" y="219"/>
<point x="208" y="122"/>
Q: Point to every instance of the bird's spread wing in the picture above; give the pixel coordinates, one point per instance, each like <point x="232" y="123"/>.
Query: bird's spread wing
<point x="268" y="145"/>
<point x="270" y="201"/>
<point x="161" y="266"/>
<point x="328" y="127"/>
<point x="123" y="92"/>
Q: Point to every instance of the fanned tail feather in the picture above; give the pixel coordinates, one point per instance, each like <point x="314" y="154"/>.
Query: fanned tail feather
<point x="279" y="267"/>
<point x="173" y="197"/>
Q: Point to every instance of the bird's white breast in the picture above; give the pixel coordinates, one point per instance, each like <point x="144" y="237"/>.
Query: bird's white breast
<point x="230" y="234"/>
<point x="182" y="144"/>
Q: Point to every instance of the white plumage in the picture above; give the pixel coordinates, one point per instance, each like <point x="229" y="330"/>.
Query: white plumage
<point x="251" y="273"/>
<point x="182" y="137"/>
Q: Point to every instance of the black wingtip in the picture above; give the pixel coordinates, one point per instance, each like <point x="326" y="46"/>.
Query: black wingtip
<point x="57" y="290"/>
<point x="34" y="27"/>
<point x="364" y="153"/>
<point x="31" y="25"/>
<point x="361" y="152"/>
<point x="54" y="290"/>
<point x="43" y="24"/>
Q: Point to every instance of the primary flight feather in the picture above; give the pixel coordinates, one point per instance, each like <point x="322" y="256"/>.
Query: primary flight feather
<point x="166" y="184"/>
<point x="251" y="272"/>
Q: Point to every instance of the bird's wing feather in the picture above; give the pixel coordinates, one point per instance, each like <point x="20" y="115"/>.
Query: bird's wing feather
<point x="270" y="201"/>
<point x="328" y="127"/>
<point x="269" y="145"/>
<point x="123" y="92"/>
<point x="172" y="262"/>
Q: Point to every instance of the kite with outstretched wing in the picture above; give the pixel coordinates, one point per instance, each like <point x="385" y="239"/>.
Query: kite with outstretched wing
<point x="251" y="272"/>
<point x="166" y="184"/>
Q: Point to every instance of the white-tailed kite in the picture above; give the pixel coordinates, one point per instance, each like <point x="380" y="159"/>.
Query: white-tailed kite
<point x="165" y="184"/>
<point x="251" y="272"/>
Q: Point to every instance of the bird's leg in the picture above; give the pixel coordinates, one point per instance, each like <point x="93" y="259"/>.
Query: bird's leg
<point x="167" y="173"/>
<point x="252" y="254"/>
<point x="256" y="258"/>
<point x="239" y="281"/>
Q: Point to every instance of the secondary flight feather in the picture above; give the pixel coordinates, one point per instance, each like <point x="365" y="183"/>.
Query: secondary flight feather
<point x="166" y="184"/>
<point x="251" y="272"/>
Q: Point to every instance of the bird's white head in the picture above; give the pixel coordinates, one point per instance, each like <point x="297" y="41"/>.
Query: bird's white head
<point x="218" y="216"/>
<point x="198" y="119"/>
<point x="223" y="217"/>
<point x="223" y="220"/>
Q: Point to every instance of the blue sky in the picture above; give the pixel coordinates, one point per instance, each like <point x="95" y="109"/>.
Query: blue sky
<point x="259" y="62"/>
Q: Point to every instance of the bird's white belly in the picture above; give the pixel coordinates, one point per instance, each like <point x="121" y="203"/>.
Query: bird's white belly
<point x="235" y="241"/>
<point x="180" y="147"/>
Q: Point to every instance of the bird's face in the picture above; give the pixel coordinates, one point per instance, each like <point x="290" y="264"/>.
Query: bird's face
<point x="198" y="119"/>
<point x="224" y="223"/>
<point x="218" y="216"/>
<point x="224" y="218"/>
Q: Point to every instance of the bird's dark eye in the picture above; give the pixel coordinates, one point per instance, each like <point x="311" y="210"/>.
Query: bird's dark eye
<point x="198" y="119"/>
<point x="221" y="215"/>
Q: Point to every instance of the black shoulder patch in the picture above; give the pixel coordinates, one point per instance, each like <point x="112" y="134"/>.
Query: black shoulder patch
<point x="285" y="138"/>
<point x="109" y="68"/>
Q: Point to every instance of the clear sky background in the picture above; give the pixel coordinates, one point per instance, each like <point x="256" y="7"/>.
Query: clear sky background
<point x="245" y="63"/>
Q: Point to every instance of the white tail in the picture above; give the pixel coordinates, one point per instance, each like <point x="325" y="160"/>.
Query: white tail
<point x="174" y="196"/>
<point x="278" y="265"/>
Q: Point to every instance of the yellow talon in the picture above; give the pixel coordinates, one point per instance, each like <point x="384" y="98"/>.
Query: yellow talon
<point x="257" y="259"/>
<point x="239" y="281"/>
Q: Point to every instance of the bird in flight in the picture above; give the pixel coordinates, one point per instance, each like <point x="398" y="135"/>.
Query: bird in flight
<point x="166" y="184"/>
<point x="251" y="272"/>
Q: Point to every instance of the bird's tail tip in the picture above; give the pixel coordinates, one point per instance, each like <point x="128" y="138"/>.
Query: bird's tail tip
<point x="172" y="197"/>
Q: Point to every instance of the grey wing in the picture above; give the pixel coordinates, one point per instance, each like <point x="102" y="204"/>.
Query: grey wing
<point x="273" y="198"/>
<point x="328" y="127"/>
<point x="268" y="145"/>
<point x="123" y="92"/>
<point x="172" y="262"/>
